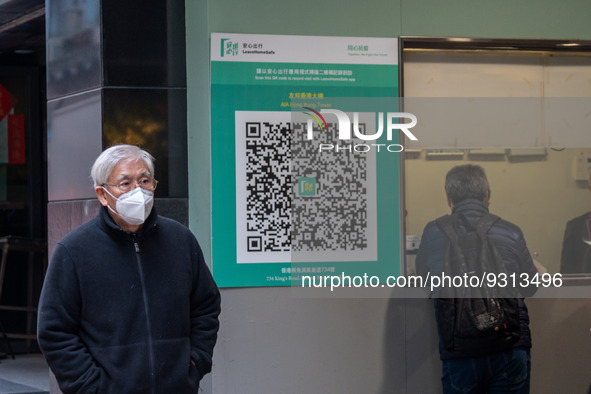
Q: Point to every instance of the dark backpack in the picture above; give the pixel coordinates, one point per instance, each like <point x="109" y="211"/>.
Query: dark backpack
<point x="475" y="320"/>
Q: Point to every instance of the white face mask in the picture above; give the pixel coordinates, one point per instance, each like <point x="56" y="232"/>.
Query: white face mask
<point x="135" y="206"/>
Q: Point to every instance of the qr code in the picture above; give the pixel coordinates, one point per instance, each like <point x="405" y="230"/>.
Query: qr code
<point x="268" y="186"/>
<point x="296" y="202"/>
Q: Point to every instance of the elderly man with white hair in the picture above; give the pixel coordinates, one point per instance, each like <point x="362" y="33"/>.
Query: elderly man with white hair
<point x="128" y="303"/>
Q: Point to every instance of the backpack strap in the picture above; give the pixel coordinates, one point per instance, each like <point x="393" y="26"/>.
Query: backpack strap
<point x="446" y="225"/>
<point x="460" y="217"/>
<point x="485" y="223"/>
<point x="450" y="225"/>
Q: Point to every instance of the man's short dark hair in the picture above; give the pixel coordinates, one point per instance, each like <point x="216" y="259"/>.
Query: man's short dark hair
<point x="466" y="181"/>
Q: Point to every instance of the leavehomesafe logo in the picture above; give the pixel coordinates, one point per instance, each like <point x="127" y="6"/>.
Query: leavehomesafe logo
<point x="344" y="130"/>
<point x="307" y="186"/>
<point x="228" y="47"/>
<point x="232" y="48"/>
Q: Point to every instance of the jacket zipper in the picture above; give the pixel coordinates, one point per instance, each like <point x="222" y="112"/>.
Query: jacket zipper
<point x="147" y="312"/>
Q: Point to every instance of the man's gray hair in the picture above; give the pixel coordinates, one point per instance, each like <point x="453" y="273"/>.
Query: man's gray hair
<point x="466" y="181"/>
<point x="104" y="164"/>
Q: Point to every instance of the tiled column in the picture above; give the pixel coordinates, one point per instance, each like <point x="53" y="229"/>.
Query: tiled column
<point x="115" y="74"/>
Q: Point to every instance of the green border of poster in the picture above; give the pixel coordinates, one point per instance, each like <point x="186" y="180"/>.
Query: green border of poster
<point x="240" y="86"/>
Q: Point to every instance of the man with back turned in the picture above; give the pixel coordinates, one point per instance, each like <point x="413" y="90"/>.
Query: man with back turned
<point x="491" y="371"/>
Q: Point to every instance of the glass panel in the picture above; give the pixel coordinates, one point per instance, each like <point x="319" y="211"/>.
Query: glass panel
<point x="154" y="119"/>
<point x="539" y="193"/>
<point x="149" y="48"/>
<point x="22" y="187"/>
<point x="73" y="136"/>
<point x="524" y="117"/>
<point x="73" y="46"/>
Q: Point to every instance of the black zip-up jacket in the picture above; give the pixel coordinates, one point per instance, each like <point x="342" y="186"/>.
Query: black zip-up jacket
<point x="128" y="312"/>
<point x="508" y="240"/>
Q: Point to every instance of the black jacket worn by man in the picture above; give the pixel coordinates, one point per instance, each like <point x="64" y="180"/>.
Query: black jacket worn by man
<point x="508" y="240"/>
<point x="128" y="312"/>
<point x="576" y="246"/>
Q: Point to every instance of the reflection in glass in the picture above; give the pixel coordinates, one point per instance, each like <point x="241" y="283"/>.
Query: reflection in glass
<point x="68" y="143"/>
<point x="154" y="119"/>
<point x="149" y="48"/>
<point x="540" y="194"/>
<point x="73" y="46"/>
<point x="521" y="101"/>
<point x="576" y="247"/>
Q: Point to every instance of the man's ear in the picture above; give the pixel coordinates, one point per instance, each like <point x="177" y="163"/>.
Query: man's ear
<point x="449" y="203"/>
<point x="486" y="195"/>
<point x="101" y="194"/>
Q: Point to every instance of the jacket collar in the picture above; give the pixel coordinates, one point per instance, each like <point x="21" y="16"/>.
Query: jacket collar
<point x="110" y="226"/>
<point x="472" y="205"/>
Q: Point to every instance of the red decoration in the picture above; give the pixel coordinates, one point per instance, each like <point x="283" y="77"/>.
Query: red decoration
<point x="16" y="139"/>
<point x="6" y="102"/>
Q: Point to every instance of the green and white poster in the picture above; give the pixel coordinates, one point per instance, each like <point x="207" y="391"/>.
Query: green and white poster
<point x="305" y="158"/>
